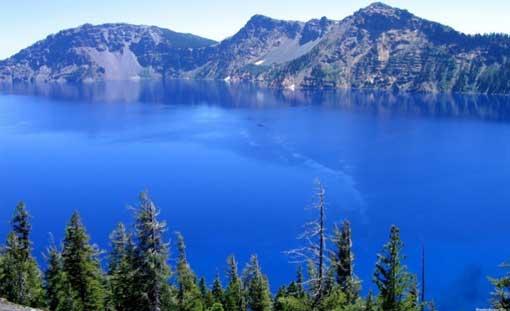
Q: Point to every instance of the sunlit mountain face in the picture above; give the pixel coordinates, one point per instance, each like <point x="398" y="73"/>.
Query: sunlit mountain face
<point x="377" y="47"/>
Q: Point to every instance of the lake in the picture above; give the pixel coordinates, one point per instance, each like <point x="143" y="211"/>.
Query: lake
<point x="232" y="167"/>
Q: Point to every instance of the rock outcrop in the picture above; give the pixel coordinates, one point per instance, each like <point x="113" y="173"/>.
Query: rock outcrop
<point x="378" y="47"/>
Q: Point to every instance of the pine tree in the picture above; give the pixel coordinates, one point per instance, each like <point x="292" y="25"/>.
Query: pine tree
<point x="279" y="298"/>
<point x="217" y="290"/>
<point x="202" y="286"/>
<point x="411" y="302"/>
<point x="290" y="299"/>
<point x="53" y="276"/>
<point x="216" y="307"/>
<point x="283" y="302"/>
<point x="296" y="288"/>
<point x="258" y="297"/>
<point x="370" y="303"/>
<point x="152" y="268"/>
<point x="20" y="277"/>
<point x="59" y="293"/>
<point x="335" y="300"/>
<point x="292" y="290"/>
<point x="501" y="294"/>
<point x="82" y="268"/>
<point x="391" y="277"/>
<point x="299" y="282"/>
<point x="343" y="262"/>
<point x="206" y="294"/>
<point x="234" y="296"/>
<point x="189" y="297"/>
<point x="121" y="270"/>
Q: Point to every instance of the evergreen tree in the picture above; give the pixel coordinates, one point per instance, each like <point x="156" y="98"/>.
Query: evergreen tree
<point x="391" y="277"/>
<point x="53" y="276"/>
<point x="290" y="303"/>
<point x="315" y="285"/>
<point x="189" y="297"/>
<point x="207" y="295"/>
<point x="216" y="307"/>
<point x="501" y="294"/>
<point x="279" y="298"/>
<point x="333" y="301"/>
<point x="152" y="268"/>
<point x="217" y="290"/>
<point x="292" y="290"/>
<point x="20" y="277"/>
<point x="121" y="270"/>
<point x="299" y="282"/>
<point x="234" y="296"/>
<point x="21" y="227"/>
<point x="296" y="288"/>
<point x="370" y="303"/>
<point x="202" y="286"/>
<point x="411" y="302"/>
<point x="290" y="299"/>
<point x="59" y="293"/>
<point x="82" y="268"/>
<point x="343" y="262"/>
<point x="258" y="297"/>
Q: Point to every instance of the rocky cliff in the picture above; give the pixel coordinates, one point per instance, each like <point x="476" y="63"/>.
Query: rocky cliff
<point x="105" y="52"/>
<point x="379" y="47"/>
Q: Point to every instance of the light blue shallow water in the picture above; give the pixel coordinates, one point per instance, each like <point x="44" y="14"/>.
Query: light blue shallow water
<point x="233" y="168"/>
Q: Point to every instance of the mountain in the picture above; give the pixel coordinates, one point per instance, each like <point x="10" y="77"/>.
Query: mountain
<point x="378" y="47"/>
<point x="105" y="52"/>
<point x="381" y="47"/>
<point x="262" y="42"/>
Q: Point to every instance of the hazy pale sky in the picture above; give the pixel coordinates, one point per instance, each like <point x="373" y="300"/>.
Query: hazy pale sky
<point x="22" y="22"/>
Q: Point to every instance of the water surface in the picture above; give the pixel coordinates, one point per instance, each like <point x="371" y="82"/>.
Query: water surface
<point x="233" y="167"/>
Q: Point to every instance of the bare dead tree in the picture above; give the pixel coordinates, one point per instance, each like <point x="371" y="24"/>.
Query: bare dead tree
<point x="315" y="251"/>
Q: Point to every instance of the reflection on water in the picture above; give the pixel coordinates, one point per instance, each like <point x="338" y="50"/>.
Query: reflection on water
<point x="238" y="162"/>
<point x="483" y="107"/>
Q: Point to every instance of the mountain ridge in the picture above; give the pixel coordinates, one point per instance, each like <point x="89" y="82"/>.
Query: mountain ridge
<point x="377" y="47"/>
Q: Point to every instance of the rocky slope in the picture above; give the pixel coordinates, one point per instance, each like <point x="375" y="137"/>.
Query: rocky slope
<point x="377" y="47"/>
<point x="7" y="306"/>
<point x="105" y="52"/>
<point x="386" y="48"/>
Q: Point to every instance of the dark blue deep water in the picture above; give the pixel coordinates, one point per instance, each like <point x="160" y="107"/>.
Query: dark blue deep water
<point x="233" y="169"/>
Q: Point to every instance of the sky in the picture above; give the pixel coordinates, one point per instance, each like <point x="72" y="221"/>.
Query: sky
<point x="23" y="22"/>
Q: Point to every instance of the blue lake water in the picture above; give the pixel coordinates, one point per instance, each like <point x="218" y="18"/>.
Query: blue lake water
<point x="232" y="167"/>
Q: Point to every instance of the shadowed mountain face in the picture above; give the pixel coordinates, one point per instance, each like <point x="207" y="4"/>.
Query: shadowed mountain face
<point x="378" y="47"/>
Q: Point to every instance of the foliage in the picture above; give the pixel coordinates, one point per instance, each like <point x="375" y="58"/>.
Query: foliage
<point x="234" y="294"/>
<point x="189" y="296"/>
<point x="121" y="270"/>
<point x="501" y="293"/>
<point x="152" y="270"/>
<point x="138" y="275"/>
<point x="20" y="277"/>
<point x="343" y="263"/>
<point x="81" y="267"/>
<point x="60" y="295"/>
<point x="258" y="296"/>
<point x="391" y="277"/>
